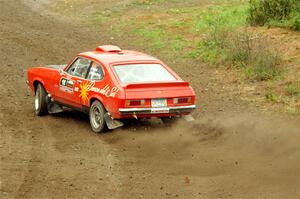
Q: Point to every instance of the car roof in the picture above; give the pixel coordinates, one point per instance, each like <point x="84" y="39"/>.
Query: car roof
<point x="118" y="57"/>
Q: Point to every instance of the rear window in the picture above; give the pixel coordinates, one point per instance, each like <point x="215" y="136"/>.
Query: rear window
<point x="138" y="73"/>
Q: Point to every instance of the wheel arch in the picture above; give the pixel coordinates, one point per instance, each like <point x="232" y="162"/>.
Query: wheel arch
<point x="36" y="82"/>
<point x="94" y="98"/>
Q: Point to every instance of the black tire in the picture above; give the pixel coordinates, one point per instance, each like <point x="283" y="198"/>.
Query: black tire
<point x="40" y="101"/>
<point x="97" y="121"/>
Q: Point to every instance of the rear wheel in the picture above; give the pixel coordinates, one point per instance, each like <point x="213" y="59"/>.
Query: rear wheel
<point x="97" y="121"/>
<point x="40" y="101"/>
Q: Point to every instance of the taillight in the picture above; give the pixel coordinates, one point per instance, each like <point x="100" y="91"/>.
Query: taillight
<point x="182" y="100"/>
<point x="134" y="102"/>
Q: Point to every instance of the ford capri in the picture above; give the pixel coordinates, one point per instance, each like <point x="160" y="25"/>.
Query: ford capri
<point x="110" y="84"/>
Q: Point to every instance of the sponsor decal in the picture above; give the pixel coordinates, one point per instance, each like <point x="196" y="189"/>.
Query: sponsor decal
<point x="84" y="91"/>
<point x="107" y="90"/>
<point x="70" y="84"/>
<point x="66" y="85"/>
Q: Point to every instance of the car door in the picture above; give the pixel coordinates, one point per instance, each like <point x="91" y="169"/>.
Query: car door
<point x="71" y="82"/>
<point x="92" y="84"/>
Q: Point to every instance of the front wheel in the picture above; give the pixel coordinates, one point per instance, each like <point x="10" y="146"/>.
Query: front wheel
<point x="40" y="101"/>
<point x="97" y="121"/>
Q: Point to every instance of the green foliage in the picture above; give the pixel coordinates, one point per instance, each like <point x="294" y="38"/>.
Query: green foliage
<point x="239" y="49"/>
<point x="193" y="54"/>
<point x="257" y="15"/>
<point x="222" y="44"/>
<point x="265" y="63"/>
<point x="283" y="13"/>
<point x="217" y="22"/>
<point x="293" y="89"/>
<point x="295" y="22"/>
<point x="249" y="73"/>
<point x="243" y="50"/>
<point x="215" y="17"/>
<point x="270" y="95"/>
<point x="293" y="111"/>
<point x="154" y="36"/>
<point x="252" y="53"/>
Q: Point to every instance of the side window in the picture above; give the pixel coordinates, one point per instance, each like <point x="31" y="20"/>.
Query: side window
<point x="80" y="67"/>
<point x="96" y="72"/>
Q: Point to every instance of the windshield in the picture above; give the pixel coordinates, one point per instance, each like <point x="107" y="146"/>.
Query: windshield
<point x="137" y="73"/>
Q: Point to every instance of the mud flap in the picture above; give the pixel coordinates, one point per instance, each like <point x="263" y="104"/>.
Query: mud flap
<point x="111" y="123"/>
<point x="188" y="118"/>
<point x="53" y="107"/>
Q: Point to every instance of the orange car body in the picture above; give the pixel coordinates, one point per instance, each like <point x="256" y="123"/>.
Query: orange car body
<point x="120" y="98"/>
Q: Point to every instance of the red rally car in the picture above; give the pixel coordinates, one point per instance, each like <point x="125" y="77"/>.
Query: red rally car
<point x="110" y="84"/>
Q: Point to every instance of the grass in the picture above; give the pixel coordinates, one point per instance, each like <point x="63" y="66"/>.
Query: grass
<point x="226" y="45"/>
<point x="289" y="98"/>
<point x="153" y="36"/>
<point x="211" y="34"/>
<point x="293" y="111"/>
<point x="278" y="13"/>
<point x="293" y="89"/>
<point x="270" y="95"/>
<point x="181" y="30"/>
<point x="147" y="2"/>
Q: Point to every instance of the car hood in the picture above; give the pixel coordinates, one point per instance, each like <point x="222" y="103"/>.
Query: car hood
<point x="62" y="66"/>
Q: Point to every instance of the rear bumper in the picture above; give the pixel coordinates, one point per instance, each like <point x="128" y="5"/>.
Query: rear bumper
<point x="163" y="110"/>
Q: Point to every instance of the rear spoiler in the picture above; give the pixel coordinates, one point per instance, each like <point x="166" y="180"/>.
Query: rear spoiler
<point x="156" y="84"/>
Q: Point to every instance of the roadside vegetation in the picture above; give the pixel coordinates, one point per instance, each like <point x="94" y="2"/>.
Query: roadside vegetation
<point x="281" y="13"/>
<point x="221" y="33"/>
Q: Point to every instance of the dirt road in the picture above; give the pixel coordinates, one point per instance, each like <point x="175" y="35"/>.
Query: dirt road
<point x="228" y="155"/>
